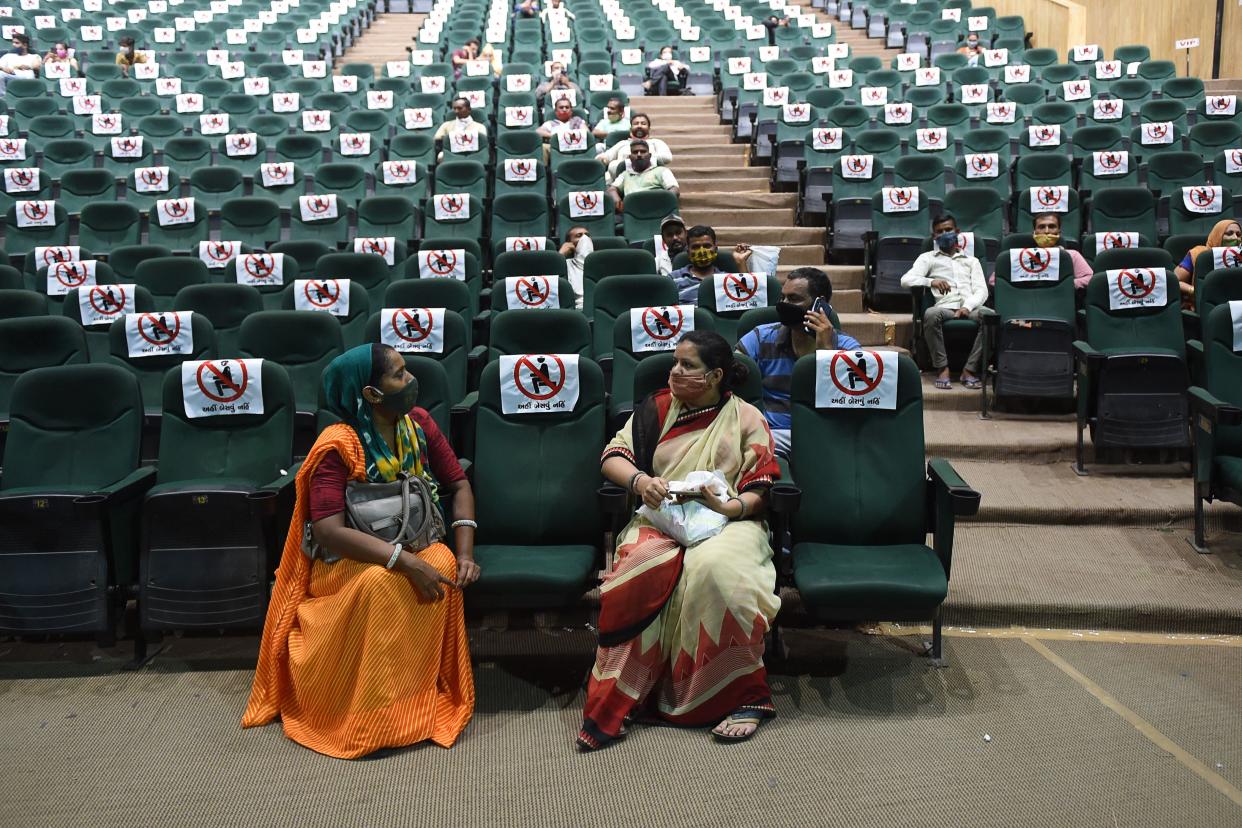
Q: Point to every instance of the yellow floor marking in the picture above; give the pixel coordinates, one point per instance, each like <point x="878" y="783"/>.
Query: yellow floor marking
<point x="1140" y="724"/>
<point x="1045" y="634"/>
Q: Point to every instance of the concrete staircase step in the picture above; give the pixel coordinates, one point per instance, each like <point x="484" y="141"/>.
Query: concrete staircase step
<point x="685" y="140"/>
<point x="877" y="328"/>
<point x="1027" y="440"/>
<point x="689" y="167"/>
<point x="769" y="234"/>
<point x="847" y="301"/>
<point x="713" y="215"/>
<point x="716" y="186"/>
<point x="724" y="199"/>
<point x="799" y="255"/>
<point x="844" y="277"/>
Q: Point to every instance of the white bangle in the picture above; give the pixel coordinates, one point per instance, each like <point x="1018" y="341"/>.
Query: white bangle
<point x="464" y="522"/>
<point x="396" y="553"/>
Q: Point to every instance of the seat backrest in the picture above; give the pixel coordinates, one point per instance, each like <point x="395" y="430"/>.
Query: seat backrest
<point x="891" y="216"/>
<point x="367" y="269"/>
<point x="1133" y="328"/>
<point x="400" y="324"/>
<point x="868" y="463"/>
<point x="33" y="342"/>
<point x="164" y="276"/>
<point x="1030" y="285"/>
<point x="224" y="305"/>
<point x="558" y="453"/>
<point x="150" y="368"/>
<point x="304" y="342"/>
<point x="1124" y="208"/>
<point x="1222" y="369"/>
<point x="556" y="331"/>
<point x="1216" y="286"/>
<point x="254" y="448"/>
<point x="46" y="437"/>
<point x="529" y="263"/>
<point x="603" y="263"/>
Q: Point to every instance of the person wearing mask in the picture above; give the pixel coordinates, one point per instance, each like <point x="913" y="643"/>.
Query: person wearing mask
<point x="663" y="70"/>
<point x="1046" y="231"/>
<point x="614" y="120"/>
<point x="557" y="79"/>
<point x="60" y="53"/>
<point x="804" y="327"/>
<point x="19" y="62"/>
<point x="577" y="247"/>
<point x="702" y="251"/>
<point x="364" y="646"/>
<point x="563" y="117"/>
<point x="972" y="49"/>
<point x="640" y="127"/>
<point x="463" y="121"/>
<point x="640" y="174"/>
<point x="1225" y="233"/>
<point x="127" y="55"/>
<point x="464" y="55"/>
<point x="958" y="286"/>
<point x="681" y="629"/>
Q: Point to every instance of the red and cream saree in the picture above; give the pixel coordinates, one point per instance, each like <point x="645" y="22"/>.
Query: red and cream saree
<point x="681" y="631"/>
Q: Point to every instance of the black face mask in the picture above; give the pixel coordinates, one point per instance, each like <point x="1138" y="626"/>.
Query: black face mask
<point x="790" y="315"/>
<point x="400" y="402"/>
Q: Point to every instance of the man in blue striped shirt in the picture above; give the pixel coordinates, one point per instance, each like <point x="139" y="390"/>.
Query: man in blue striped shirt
<point x="800" y="331"/>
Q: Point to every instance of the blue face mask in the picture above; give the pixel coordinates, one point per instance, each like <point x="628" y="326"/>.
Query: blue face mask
<point x="947" y="242"/>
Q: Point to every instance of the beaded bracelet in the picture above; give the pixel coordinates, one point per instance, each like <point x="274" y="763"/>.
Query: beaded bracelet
<point x="465" y="522"/>
<point x="633" y="480"/>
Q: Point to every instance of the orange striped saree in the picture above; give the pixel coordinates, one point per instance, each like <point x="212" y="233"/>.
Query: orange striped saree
<point x="682" y="630"/>
<point x="351" y="659"/>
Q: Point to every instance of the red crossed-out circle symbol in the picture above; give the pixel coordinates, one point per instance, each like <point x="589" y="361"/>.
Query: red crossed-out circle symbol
<point x="288" y="100"/>
<point x="1077" y="88"/>
<point x="322" y="293"/>
<point x="127" y="145"/>
<point x="899" y="196"/>
<point x="586" y="201"/>
<point x="1219" y="104"/>
<point x="981" y="163"/>
<point x="1202" y="196"/>
<point x="933" y="136"/>
<point x="215" y="121"/>
<point x="797" y="111"/>
<point x="20" y="177"/>
<point x="663" y="323"/>
<point x="177" y="208"/>
<point x="1110" y="160"/>
<point x="522" y="243"/>
<point x="34" y="210"/>
<point x="857" y="163"/>
<point x="319" y="204"/>
<point x="1134" y="284"/>
<point x="220" y="251"/>
<point x="1231" y="257"/>
<point x="193" y="101"/>
<point x="240" y="142"/>
<point x="1115" y="240"/>
<point x="52" y="255"/>
<point x="520" y="166"/>
<point x="533" y="291"/>
<point x="157" y="330"/>
<point x="542" y="384"/>
<point x="383" y="97"/>
<point x="356" y="141"/>
<point x="1048" y="196"/>
<point x="573" y="137"/>
<point x="408" y="324"/>
<point x="10" y="148"/>
<point x="860" y="378"/>
<point x="70" y="274"/>
<point x="106" y="300"/>
<point x="1002" y="110"/>
<point x="278" y="172"/>
<point x="377" y="246"/>
<point x="1034" y="260"/>
<point x="451" y="203"/>
<point x="828" y="136"/>
<point x="441" y="262"/>
<point x="898" y="111"/>
<point x="87" y="102"/>
<point x="876" y="94"/>
<point x="219" y="373"/>
<point x="152" y="176"/>
<point x="315" y="117"/>
<point x="740" y="287"/>
<point x="1236" y="157"/>
<point x="1045" y="133"/>
<point x="419" y="116"/>
<point x="399" y="169"/>
<point x="842" y="77"/>
<point x="1156" y="131"/>
<point x="259" y="265"/>
<point x="1107" y="107"/>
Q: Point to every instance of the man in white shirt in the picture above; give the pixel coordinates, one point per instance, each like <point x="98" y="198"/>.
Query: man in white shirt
<point x="640" y="127"/>
<point x="463" y="121"/>
<point x="556" y="10"/>
<point x="957" y="283"/>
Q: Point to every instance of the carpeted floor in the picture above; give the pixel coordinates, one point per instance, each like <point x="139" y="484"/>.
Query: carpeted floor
<point x="868" y="735"/>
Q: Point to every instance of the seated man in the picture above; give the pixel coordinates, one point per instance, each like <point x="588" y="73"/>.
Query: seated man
<point x="557" y="11"/>
<point x="577" y="247"/>
<point x="701" y="250"/>
<point x="563" y="117"/>
<point x="672" y="241"/>
<point x="463" y="121"/>
<point x="614" y="120"/>
<point x="804" y="328"/>
<point x="460" y="57"/>
<point x="1046" y="228"/>
<point x="20" y="62"/>
<point x="640" y="127"/>
<point x="641" y="175"/>
<point x="557" y="79"/>
<point x="957" y="283"/>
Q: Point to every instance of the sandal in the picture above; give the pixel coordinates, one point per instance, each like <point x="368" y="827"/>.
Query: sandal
<point x="744" y="716"/>
<point x="974" y="383"/>
<point x="944" y="383"/>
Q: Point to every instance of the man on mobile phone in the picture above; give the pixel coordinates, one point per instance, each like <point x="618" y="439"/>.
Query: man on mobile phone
<point x="805" y="326"/>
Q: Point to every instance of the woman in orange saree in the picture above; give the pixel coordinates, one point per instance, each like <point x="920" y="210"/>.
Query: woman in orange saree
<point x="681" y="631"/>
<point x="365" y="645"/>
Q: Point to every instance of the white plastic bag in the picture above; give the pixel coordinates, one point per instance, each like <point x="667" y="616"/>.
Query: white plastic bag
<point x="690" y="522"/>
<point x="764" y="258"/>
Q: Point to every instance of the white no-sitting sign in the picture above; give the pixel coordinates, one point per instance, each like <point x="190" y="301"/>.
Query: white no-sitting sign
<point x="858" y="379"/>
<point x="215" y="387"/>
<point x="538" y="383"/>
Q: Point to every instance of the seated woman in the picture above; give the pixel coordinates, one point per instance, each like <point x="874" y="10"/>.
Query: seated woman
<point x="1225" y="233"/>
<point x="681" y="631"/>
<point x="663" y="70"/>
<point x="365" y="642"/>
<point x="58" y="54"/>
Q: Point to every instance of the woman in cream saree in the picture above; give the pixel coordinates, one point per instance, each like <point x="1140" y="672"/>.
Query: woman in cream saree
<point x="682" y="630"/>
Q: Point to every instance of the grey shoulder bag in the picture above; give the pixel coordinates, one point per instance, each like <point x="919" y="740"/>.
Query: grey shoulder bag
<point x="398" y="512"/>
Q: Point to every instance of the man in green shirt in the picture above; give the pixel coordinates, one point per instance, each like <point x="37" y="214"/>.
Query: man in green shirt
<point x="640" y="174"/>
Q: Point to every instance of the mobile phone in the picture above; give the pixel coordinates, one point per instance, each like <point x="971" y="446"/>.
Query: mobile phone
<point x="818" y="305"/>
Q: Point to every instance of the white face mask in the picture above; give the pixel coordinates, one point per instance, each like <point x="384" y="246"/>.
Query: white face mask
<point x="585" y="247"/>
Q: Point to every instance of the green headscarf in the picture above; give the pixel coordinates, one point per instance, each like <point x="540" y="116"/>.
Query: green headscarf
<point x="343" y="381"/>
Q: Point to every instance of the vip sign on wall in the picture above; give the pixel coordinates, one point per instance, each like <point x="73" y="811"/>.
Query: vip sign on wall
<point x="259" y="269"/>
<point x="217" y="387"/>
<point x="659" y="328"/>
<point x="740" y="291"/>
<point x="532" y="292"/>
<point x="1137" y="287"/>
<point x="538" y="383"/>
<point x="860" y="379"/>
<point x="101" y="305"/>
<point x="442" y="264"/>
<point x="323" y="295"/>
<point x="413" y="330"/>
<point x="160" y="333"/>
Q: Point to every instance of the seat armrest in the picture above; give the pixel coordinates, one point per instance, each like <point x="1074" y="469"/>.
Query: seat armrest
<point x="1083" y="352"/>
<point x="948" y="496"/>
<point x="1192" y="324"/>
<point x="278" y="486"/>
<point x="964" y="499"/>
<point x="784" y="498"/>
<point x="613" y="499"/>
<point x="1214" y="409"/>
<point x="132" y="485"/>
